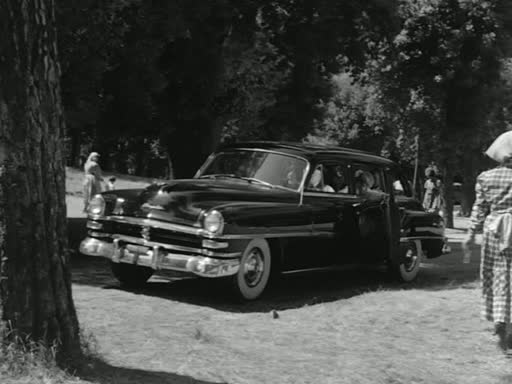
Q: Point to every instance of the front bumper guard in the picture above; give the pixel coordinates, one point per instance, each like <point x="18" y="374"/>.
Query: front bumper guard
<point x="159" y="258"/>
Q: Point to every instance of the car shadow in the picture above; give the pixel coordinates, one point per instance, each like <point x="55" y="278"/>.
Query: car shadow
<point x="290" y="290"/>
<point x="100" y="372"/>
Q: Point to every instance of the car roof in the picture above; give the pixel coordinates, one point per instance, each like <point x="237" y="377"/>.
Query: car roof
<point x="312" y="151"/>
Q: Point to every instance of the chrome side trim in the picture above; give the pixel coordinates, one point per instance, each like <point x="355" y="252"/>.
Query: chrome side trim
<point x="270" y="235"/>
<point x="205" y="234"/>
<point x="171" y="247"/>
<point x="412" y="238"/>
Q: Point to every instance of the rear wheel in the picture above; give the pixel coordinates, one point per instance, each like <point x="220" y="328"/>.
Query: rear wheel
<point x="410" y="259"/>
<point x="131" y="276"/>
<point x="253" y="276"/>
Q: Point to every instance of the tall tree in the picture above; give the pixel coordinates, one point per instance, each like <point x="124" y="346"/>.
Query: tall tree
<point x="35" y="281"/>
<point x="449" y="52"/>
<point x="318" y="37"/>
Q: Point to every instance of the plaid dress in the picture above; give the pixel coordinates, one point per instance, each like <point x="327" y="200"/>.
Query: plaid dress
<point x="493" y="198"/>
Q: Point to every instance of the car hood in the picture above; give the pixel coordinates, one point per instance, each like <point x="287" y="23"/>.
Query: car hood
<point x="183" y="201"/>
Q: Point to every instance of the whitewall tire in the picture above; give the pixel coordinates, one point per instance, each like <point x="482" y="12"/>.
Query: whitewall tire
<point x="253" y="276"/>
<point x="409" y="268"/>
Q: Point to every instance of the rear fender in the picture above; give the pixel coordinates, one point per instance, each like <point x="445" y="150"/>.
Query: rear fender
<point x="426" y="227"/>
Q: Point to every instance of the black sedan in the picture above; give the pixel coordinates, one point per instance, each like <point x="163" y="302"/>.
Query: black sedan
<point x="257" y="209"/>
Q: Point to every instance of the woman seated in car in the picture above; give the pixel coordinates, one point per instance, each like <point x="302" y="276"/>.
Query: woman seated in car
<point x="316" y="183"/>
<point x="364" y="185"/>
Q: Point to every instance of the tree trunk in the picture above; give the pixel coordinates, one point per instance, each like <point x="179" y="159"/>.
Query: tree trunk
<point x="447" y="196"/>
<point x="74" y="156"/>
<point x="35" y="284"/>
<point x="469" y="169"/>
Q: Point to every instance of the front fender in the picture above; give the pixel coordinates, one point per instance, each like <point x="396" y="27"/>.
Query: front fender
<point x="266" y="219"/>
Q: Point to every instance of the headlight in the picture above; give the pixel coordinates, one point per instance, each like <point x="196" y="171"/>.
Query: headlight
<point x="96" y="206"/>
<point x="213" y="222"/>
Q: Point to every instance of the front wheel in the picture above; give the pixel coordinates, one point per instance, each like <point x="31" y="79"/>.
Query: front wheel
<point x="410" y="259"/>
<point x="253" y="275"/>
<point x="129" y="275"/>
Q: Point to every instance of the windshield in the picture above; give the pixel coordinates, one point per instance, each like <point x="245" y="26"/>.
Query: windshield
<point x="269" y="168"/>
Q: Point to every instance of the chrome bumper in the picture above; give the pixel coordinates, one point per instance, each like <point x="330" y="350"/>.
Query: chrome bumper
<point x="158" y="258"/>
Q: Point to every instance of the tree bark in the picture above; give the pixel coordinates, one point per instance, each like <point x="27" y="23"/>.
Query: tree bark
<point x="35" y="284"/>
<point x="469" y="173"/>
<point x="447" y="196"/>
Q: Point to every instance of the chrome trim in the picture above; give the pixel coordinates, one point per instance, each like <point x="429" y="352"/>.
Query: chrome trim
<point x="91" y="224"/>
<point x="161" y="260"/>
<point x="333" y="194"/>
<point x="160" y="225"/>
<point x="212" y="244"/>
<point x="205" y="234"/>
<point x="269" y="235"/>
<point x="94" y="247"/>
<point x="412" y="238"/>
<point x="99" y="234"/>
<point x="172" y="247"/>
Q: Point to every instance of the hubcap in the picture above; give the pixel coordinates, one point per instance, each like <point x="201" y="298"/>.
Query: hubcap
<point x="253" y="267"/>
<point x="411" y="259"/>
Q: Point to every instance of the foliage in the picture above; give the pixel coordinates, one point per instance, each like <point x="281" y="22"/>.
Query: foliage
<point x="181" y="74"/>
<point x="189" y="73"/>
<point x="353" y="117"/>
<point x="447" y="53"/>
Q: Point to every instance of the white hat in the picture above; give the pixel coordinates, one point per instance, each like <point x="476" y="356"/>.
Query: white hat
<point x="501" y="149"/>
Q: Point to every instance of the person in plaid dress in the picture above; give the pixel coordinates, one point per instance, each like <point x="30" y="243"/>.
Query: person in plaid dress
<point x="492" y="214"/>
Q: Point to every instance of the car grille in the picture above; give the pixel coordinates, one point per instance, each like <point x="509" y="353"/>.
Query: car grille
<point x="156" y="235"/>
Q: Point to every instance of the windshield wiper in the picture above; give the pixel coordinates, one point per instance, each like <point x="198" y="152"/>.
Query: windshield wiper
<point x="215" y="175"/>
<point x="230" y="175"/>
<point x="258" y="181"/>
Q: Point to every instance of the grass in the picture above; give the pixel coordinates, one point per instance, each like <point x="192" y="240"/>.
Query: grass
<point x="25" y="361"/>
<point x="341" y="328"/>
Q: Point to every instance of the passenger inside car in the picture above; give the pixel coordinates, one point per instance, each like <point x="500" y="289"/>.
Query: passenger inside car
<point x="365" y="184"/>
<point x="339" y="181"/>
<point x="316" y="183"/>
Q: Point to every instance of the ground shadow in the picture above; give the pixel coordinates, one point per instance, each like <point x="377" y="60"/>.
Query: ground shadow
<point x="289" y="291"/>
<point x="101" y="372"/>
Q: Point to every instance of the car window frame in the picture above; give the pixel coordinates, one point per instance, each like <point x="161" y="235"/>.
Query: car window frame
<point x="328" y="161"/>
<point x="307" y="168"/>
<point x="395" y="174"/>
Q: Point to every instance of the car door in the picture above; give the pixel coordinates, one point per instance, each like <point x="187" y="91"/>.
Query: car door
<point x="331" y="204"/>
<point x="373" y="210"/>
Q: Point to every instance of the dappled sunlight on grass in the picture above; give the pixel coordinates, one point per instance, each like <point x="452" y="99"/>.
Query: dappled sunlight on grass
<point x="327" y="327"/>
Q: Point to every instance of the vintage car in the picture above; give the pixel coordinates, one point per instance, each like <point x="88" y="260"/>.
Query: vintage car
<point x="257" y="209"/>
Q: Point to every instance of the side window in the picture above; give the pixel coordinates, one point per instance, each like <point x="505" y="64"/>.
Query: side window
<point x="329" y="177"/>
<point x="368" y="178"/>
<point x="336" y="176"/>
<point x="401" y="187"/>
<point x="317" y="180"/>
